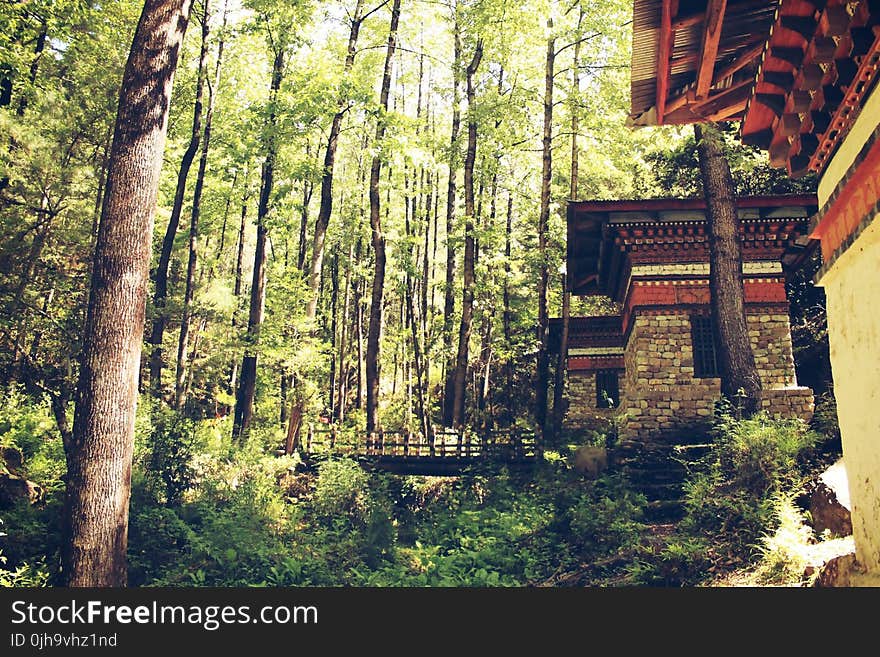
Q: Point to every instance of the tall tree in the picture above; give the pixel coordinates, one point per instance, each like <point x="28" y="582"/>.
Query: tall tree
<point x="467" y="296"/>
<point x="562" y="359"/>
<point x="449" y="288"/>
<point x="99" y="454"/>
<point x="160" y="292"/>
<point x="247" y="385"/>
<point x="543" y="373"/>
<point x="378" y="238"/>
<point x="195" y="213"/>
<point x="326" y="207"/>
<point x="736" y="361"/>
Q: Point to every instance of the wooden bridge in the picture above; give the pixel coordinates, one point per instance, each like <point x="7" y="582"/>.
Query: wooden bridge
<point x="444" y="452"/>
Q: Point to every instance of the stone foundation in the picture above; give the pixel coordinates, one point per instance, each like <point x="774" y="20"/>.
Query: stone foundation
<point x="662" y="394"/>
<point x="582" y="412"/>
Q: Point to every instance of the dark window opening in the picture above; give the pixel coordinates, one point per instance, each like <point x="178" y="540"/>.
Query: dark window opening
<point x="607" y="389"/>
<point x="705" y="350"/>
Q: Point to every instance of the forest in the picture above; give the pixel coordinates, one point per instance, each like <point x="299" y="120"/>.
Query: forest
<point x="228" y="227"/>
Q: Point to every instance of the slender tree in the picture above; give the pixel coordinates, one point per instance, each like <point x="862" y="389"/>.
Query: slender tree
<point x="247" y="386"/>
<point x="543" y="373"/>
<point x="559" y="381"/>
<point x="378" y="238"/>
<point x="449" y="288"/>
<point x="467" y="296"/>
<point x="183" y="337"/>
<point x="99" y="454"/>
<point x="160" y="292"/>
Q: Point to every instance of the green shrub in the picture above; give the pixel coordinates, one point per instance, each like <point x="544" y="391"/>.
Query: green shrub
<point x="169" y="467"/>
<point x="341" y="491"/>
<point x="730" y="497"/>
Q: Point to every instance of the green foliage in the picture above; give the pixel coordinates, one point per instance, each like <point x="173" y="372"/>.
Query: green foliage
<point x="341" y="491"/>
<point x="173" y="444"/>
<point x="784" y="551"/>
<point x="731" y="497"/>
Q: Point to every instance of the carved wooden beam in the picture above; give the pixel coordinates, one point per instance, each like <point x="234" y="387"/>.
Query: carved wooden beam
<point x="664" y="52"/>
<point x="709" y="52"/>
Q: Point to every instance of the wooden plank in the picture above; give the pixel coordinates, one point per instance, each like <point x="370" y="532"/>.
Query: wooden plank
<point x="709" y="52"/>
<point x="664" y="53"/>
<point x="743" y="60"/>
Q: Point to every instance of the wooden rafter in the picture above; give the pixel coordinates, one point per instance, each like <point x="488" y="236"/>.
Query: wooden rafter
<point x="709" y="52"/>
<point x="722" y="94"/>
<point x="743" y="60"/>
<point x="664" y="51"/>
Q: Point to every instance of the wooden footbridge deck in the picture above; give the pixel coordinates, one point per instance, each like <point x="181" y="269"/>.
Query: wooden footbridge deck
<point x="442" y="453"/>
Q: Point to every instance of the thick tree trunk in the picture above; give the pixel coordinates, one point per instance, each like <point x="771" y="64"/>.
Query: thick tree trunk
<point x="247" y="386"/>
<point x="543" y="373"/>
<point x="449" y="289"/>
<point x="160" y="292"/>
<point x="467" y="297"/>
<point x="736" y="361"/>
<point x="378" y="239"/>
<point x="100" y="450"/>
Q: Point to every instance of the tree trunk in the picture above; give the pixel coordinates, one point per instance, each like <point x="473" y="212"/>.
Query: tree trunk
<point x="559" y="382"/>
<point x="467" y="297"/>
<point x="736" y="361"/>
<point x="244" y="400"/>
<point x="160" y="293"/>
<point x="507" y="316"/>
<point x="378" y="239"/>
<point x="543" y="373"/>
<point x="326" y="207"/>
<point x="449" y="289"/>
<point x="236" y="289"/>
<point x="100" y="451"/>
<point x="183" y="338"/>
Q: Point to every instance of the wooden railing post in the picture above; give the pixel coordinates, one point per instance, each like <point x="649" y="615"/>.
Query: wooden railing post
<point x="381" y="442"/>
<point x="406" y="440"/>
<point x="432" y="442"/>
<point x="310" y="436"/>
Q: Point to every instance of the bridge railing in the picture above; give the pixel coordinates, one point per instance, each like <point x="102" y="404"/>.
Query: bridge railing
<point x="493" y="445"/>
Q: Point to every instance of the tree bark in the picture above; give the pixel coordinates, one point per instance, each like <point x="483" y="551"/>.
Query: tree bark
<point x="543" y="373"/>
<point x="326" y="207"/>
<point x="378" y="239"/>
<point x="160" y="292"/>
<point x="736" y="361"/>
<point x="244" y="400"/>
<point x="183" y="337"/>
<point x="467" y="297"/>
<point x="449" y="289"/>
<point x="559" y="382"/>
<point x="100" y="451"/>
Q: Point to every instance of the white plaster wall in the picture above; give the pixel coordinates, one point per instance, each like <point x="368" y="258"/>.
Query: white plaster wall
<point x="852" y="288"/>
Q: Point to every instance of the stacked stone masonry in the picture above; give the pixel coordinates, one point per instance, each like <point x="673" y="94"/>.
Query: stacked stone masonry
<point x="659" y="392"/>
<point x="664" y="396"/>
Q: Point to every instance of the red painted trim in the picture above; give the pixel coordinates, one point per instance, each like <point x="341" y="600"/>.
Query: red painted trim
<point x="589" y="363"/>
<point x="856" y="200"/>
<point x="657" y="204"/>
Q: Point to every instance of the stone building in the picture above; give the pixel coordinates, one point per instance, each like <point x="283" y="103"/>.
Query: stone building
<point x="654" y="364"/>
<point x="800" y="76"/>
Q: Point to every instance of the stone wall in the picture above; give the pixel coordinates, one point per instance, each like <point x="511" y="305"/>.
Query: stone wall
<point x="582" y="411"/>
<point x="663" y="396"/>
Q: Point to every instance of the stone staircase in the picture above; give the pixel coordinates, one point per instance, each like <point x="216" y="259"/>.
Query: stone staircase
<point x="658" y="469"/>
